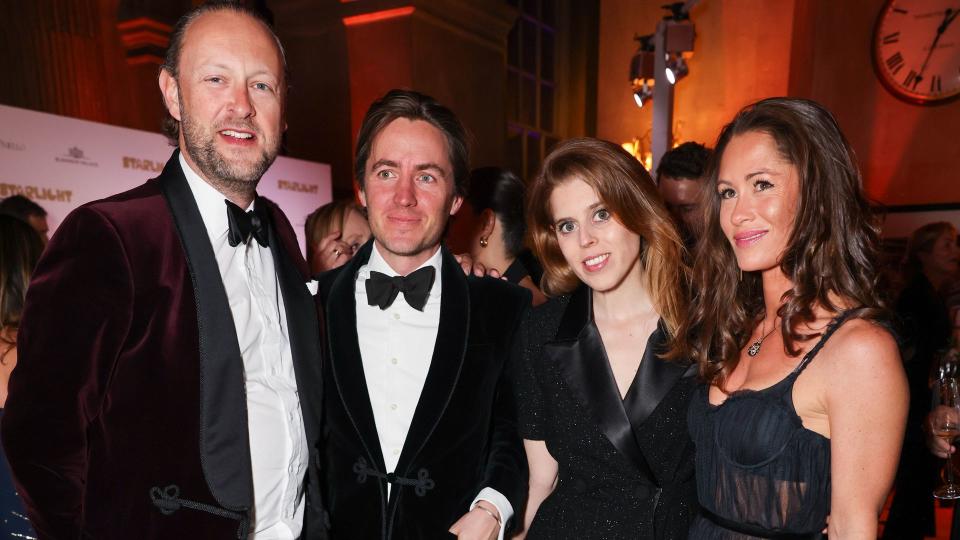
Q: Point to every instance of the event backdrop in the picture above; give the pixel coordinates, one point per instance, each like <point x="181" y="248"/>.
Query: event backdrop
<point x="62" y="163"/>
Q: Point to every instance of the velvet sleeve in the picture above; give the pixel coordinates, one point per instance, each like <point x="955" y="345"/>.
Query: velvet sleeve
<point x="507" y="465"/>
<point x="76" y="317"/>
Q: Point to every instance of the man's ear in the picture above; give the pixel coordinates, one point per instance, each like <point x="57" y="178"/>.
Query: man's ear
<point x="362" y="197"/>
<point x="170" y="91"/>
<point x="457" y="202"/>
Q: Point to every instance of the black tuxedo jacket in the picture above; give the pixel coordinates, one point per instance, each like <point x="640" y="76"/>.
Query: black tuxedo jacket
<point x="127" y="412"/>
<point x="463" y="436"/>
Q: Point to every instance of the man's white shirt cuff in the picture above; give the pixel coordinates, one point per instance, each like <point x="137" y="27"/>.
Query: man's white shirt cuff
<point x="497" y="499"/>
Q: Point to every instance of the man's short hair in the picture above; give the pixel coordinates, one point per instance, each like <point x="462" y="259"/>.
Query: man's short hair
<point x="21" y="207"/>
<point x="688" y="160"/>
<point x="171" y="62"/>
<point x="415" y="106"/>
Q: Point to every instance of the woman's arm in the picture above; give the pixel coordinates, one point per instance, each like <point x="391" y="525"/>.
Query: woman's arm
<point x="543" y="478"/>
<point x="866" y="402"/>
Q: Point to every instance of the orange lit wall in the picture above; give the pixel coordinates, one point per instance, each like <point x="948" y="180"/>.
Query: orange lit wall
<point x="750" y="49"/>
<point x="909" y="154"/>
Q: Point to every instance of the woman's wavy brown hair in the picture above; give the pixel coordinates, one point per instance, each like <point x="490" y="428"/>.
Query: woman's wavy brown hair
<point x="20" y="249"/>
<point x="631" y="196"/>
<point x="831" y="255"/>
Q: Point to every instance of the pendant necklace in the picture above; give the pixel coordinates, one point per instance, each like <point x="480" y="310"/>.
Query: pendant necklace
<point x="755" y="348"/>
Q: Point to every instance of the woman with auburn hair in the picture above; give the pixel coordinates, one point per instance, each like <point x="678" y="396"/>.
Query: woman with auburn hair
<point x="602" y="404"/>
<point x="335" y="231"/>
<point x="805" y="408"/>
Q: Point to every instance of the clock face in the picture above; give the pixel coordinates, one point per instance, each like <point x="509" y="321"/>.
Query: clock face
<point x="916" y="49"/>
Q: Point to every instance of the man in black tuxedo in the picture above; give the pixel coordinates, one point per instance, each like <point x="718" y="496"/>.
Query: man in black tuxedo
<point x="420" y="428"/>
<point x="168" y="383"/>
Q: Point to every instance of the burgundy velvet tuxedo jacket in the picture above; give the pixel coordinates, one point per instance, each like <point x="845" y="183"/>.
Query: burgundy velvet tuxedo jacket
<point x="463" y="435"/>
<point x="127" y="413"/>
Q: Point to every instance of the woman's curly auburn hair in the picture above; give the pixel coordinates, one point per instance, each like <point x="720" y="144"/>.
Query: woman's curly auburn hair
<point x="631" y="196"/>
<point x="831" y="255"/>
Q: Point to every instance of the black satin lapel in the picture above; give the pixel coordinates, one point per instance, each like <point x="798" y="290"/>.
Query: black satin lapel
<point x="584" y="366"/>
<point x="654" y="380"/>
<point x="303" y="331"/>
<point x="448" y="356"/>
<point x="224" y="441"/>
<point x="346" y="363"/>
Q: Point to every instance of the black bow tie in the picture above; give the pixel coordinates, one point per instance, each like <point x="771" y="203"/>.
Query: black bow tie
<point x="382" y="289"/>
<point x="244" y="224"/>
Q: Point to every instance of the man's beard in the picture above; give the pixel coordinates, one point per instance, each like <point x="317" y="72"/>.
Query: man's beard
<point x="215" y="167"/>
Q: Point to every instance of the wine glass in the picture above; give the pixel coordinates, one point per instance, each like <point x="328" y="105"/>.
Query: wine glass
<point x="949" y="364"/>
<point x="946" y="425"/>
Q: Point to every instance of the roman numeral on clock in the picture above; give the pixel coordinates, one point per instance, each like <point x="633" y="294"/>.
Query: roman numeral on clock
<point x="935" y="84"/>
<point x="891" y="38"/>
<point x="912" y="79"/>
<point x="895" y="63"/>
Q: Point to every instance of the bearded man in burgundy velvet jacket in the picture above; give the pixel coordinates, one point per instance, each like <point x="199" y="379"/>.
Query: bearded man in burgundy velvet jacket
<point x="168" y="383"/>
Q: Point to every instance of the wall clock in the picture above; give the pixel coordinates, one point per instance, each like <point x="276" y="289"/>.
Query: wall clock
<point x="916" y="50"/>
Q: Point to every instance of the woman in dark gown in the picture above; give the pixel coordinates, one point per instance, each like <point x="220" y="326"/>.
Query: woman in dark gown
<point x="20" y="248"/>
<point x="602" y="405"/>
<point x="804" y="413"/>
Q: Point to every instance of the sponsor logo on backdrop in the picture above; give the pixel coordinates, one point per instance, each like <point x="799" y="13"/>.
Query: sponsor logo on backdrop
<point x="142" y="164"/>
<point x="36" y="193"/>
<point x="12" y="145"/>
<point x="76" y="156"/>
<point x="287" y="185"/>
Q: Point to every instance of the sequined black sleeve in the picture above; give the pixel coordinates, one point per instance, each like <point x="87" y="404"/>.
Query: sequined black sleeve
<point x="538" y="327"/>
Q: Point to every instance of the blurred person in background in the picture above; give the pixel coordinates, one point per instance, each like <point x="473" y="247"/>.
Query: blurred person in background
<point x="491" y="227"/>
<point x="20" y="248"/>
<point x="334" y="232"/>
<point x="680" y="178"/>
<point x="27" y="211"/>
<point x="929" y="264"/>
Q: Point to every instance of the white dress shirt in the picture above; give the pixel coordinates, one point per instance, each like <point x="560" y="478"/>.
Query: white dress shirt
<point x="396" y="347"/>
<point x="278" y="444"/>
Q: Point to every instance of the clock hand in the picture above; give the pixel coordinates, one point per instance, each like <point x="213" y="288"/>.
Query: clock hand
<point x="948" y="17"/>
<point x="948" y="20"/>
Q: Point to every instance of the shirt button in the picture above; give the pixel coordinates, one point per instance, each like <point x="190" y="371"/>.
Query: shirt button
<point x="396" y="316"/>
<point x="393" y="406"/>
<point x="396" y="451"/>
<point x="393" y="361"/>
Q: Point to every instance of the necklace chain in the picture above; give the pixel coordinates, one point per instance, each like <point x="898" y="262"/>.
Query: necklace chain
<point x="755" y="348"/>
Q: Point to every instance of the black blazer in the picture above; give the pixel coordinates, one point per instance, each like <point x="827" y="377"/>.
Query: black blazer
<point x="463" y="435"/>
<point x="128" y="405"/>
<point x="625" y="466"/>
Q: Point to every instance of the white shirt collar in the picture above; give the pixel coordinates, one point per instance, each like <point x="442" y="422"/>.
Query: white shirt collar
<point x="210" y="201"/>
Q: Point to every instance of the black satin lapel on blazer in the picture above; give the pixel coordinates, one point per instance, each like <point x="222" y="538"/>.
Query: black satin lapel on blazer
<point x="578" y="352"/>
<point x="303" y="332"/>
<point x="448" y="355"/>
<point x="224" y="441"/>
<point x="655" y="378"/>
<point x="346" y="363"/>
